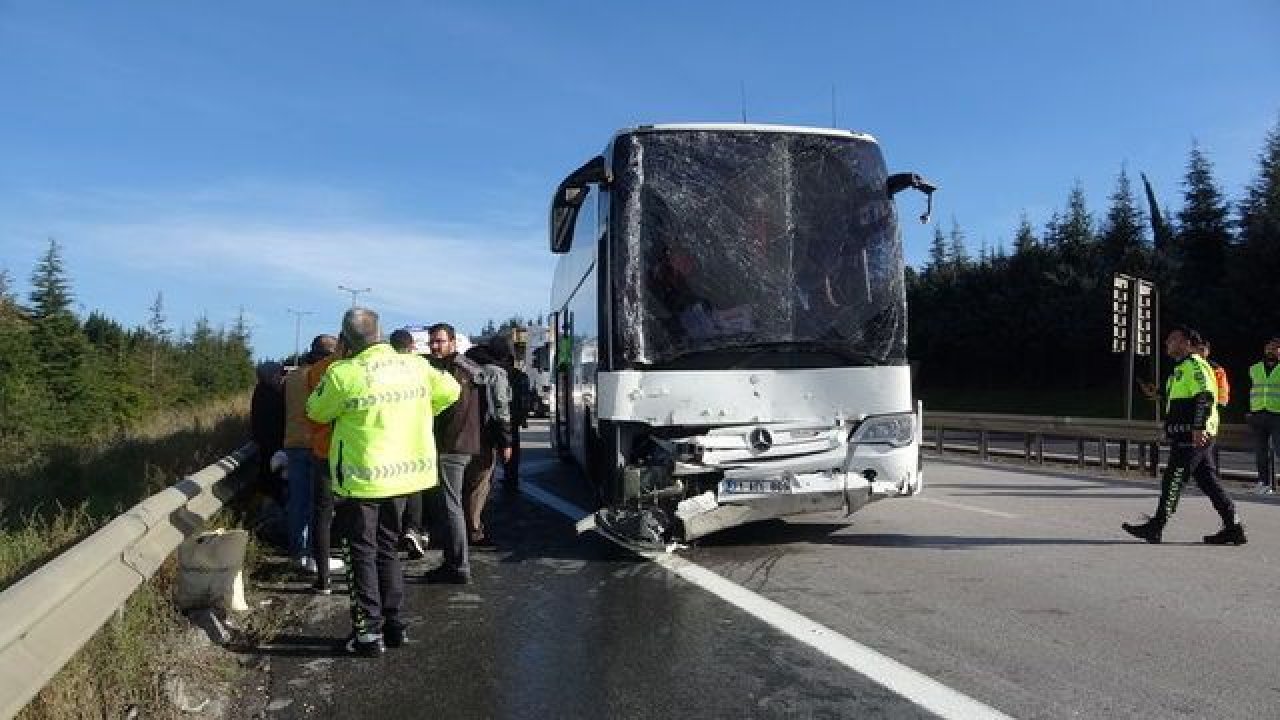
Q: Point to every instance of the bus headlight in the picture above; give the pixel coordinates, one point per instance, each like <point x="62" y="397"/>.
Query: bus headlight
<point x="896" y="430"/>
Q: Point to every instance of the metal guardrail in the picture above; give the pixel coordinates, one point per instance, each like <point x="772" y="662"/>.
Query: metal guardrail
<point x="46" y="617"/>
<point x="1147" y="435"/>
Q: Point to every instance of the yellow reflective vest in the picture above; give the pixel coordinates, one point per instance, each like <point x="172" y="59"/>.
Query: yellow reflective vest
<point x="1184" y="414"/>
<point x="382" y="405"/>
<point x="1264" y="388"/>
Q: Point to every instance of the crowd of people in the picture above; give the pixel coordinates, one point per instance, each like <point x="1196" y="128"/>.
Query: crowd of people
<point x="394" y="447"/>
<point x="388" y="447"/>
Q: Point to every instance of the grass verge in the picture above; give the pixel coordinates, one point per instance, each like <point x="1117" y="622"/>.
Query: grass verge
<point x="128" y="668"/>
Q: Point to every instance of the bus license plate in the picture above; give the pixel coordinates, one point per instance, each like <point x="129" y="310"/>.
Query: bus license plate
<point x="756" y="487"/>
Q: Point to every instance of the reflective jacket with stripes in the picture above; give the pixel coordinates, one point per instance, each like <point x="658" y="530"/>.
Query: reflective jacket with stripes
<point x="381" y="404"/>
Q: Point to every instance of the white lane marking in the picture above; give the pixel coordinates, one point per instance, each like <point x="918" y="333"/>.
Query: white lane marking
<point x="881" y="669"/>
<point x="970" y="508"/>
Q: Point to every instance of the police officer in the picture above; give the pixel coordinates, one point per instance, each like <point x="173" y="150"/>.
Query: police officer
<point x="1264" y="413"/>
<point x="381" y="404"/>
<point x="1191" y="422"/>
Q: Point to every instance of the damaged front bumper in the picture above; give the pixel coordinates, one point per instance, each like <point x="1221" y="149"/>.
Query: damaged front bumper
<point x="775" y="490"/>
<point x="689" y="486"/>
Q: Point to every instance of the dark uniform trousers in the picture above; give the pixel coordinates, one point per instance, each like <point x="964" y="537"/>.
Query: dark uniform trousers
<point x="1186" y="460"/>
<point x="1266" y="436"/>
<point x="370" y="532"/>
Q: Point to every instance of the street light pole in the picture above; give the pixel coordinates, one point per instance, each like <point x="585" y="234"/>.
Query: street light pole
<point x="297" y="330"/>
<point x="354" y="292"/>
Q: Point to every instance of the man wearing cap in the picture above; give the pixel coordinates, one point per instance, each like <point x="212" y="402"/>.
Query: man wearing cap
<point x="381" y="404"/>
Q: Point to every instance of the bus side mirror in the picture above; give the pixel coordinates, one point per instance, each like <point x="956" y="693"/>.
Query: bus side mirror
<point x="898" y="182"/>
<point x="568" y="199"/>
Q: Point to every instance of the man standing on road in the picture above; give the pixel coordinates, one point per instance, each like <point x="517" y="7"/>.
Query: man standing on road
<point x="503" y="351"/>
<point x="1191" y="422"/>
<point x="412" y="539"/>
<point x="381" y="404"/>
<point x="495" y="442"/>
<point x="1264" y="413"/>
<point x="324" y="352"/>
<point x="457" y="432"/>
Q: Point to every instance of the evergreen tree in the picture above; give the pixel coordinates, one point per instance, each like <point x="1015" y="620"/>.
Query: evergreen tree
<point x="1075" y="231"/>
<point x="158" y="335"/>
<point x="23" y="404"/>
<point x="937" y="252"/>
<point x="1204" y="232"/>
<point x="1258" y="270"/>
<point x="1024" y="240"/>
<point x="7" y="299"/>
<point x="57" y="337"/>
<point x="1123" y="242"/>
<point x="957" y="252"/>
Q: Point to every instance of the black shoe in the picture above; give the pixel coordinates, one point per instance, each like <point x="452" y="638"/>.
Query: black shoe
<point x="322" y="587"/>
<point x="446" y="576"/>
<point x="370" y="646"/>
<point x="1150" y="530"/>
<point x="395" y="635"/>
<point x="414" y="544"/>
<point x="1230" y="535"/>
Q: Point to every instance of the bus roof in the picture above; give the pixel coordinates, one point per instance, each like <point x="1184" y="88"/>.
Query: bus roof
<point x="748" y="127"/>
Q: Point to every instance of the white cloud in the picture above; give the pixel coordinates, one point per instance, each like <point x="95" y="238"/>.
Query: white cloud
<point x="266" y="247"/>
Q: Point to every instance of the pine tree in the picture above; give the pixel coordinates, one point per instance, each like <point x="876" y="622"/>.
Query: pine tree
<point x="1076" y="230"/>
<point x="957" y="252"/>
<point x="1258" y="269"/>
<point x="57" y="336"/>
<point x="1024" y="241"/>
<point x="937" y="252"/>
<point x="23" y="400"/>
<point x="1204" y="228"/>
<point x="6" y="289"/>
<point x="158" y="334"/>
<point x="1124" y="247"/>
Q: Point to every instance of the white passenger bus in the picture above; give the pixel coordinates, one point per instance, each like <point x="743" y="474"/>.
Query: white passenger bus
<point x="729" y="328"/>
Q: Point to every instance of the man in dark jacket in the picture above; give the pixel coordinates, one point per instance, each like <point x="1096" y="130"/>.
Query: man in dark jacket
<point x="495" y="440"/>
<point x="503" y="351"/>
<point x="266" y="424"/>
<point x="457" y="432"/>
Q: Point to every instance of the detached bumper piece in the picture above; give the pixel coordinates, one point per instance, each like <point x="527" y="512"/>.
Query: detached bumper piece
<point x="640" y="529"/>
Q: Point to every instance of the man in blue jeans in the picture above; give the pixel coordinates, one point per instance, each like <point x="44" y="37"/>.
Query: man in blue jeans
<point x="299" y="471"/>
<point x="457" y="432"/>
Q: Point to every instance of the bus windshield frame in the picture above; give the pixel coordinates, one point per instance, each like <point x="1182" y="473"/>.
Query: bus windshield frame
<point x="753" y="248"/>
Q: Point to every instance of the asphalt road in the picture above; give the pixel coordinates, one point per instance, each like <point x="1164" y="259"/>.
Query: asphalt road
<point x="1016" y="589"/>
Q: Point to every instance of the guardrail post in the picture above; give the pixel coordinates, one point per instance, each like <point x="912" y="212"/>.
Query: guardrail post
<point x="1080" y="451"/>
<point x="1039" y="449"/>
<point x="1155" y="459"/>
<point x="1124" y="456"/>
<point x="1026" y="448"/>
<point x="938" y="438"/>
<point x="1102" y="456"/>
<point x="982" y="445"/>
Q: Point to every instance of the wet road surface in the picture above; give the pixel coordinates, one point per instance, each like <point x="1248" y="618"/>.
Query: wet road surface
<point x="1016" y="589"/>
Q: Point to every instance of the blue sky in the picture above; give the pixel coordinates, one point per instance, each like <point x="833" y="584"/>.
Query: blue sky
<point x="258" y="155"/>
